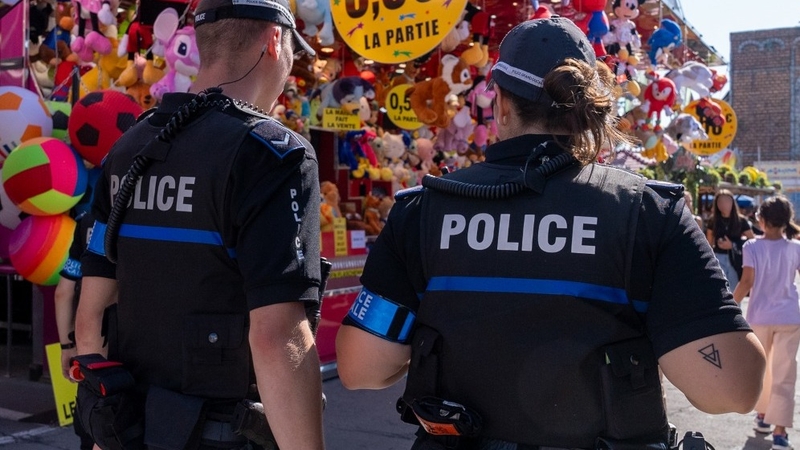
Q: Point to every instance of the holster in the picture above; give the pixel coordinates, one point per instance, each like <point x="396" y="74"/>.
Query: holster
<point x="633" y="403"/>
<point x="173" y="421"/>
<point x="110" y="412"/>
<point x="250" y="421"/>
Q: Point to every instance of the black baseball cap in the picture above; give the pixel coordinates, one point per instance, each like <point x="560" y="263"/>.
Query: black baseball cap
<point x="275" y="11"/>
<point x="535" y="47"/>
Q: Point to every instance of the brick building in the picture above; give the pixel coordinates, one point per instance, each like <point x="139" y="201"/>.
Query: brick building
<point x="765" y="93"/>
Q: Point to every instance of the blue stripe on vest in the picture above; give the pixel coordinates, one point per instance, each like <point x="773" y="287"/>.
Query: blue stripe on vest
<point x="535" y="286"/>
<point x="72" y="268"/>
<point x="382" y="316"/>
<point x="170" y="234"/>
<point x="97" y="242"/>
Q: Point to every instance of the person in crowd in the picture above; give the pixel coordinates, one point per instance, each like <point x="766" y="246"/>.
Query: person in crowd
<point x="724" y="232"/>
<point x="771" y="264"/>
<point x="216" y="263"/>
<point x="531" y="299"/>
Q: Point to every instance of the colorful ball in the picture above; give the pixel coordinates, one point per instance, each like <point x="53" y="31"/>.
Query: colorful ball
<point x="98" y="120"/>
<point x="60" y="112"/>
<point x="39" y="247"/>
<point x="23" y="116"/>
<point x="44" y="176"/>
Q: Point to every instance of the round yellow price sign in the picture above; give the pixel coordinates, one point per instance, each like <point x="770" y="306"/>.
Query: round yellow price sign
<point x="398" y="108"/>
<point x="395" y="31"/>
<point x="720" y="135"/>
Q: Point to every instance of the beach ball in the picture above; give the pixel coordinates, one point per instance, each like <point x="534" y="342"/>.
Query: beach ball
<point x="39" y="247"/>
<point x="98" y="120"/>
<point x="44" y="176"/>
<point x="60" y="112"/>
<point x="23" y="116"/>
<point x="10" y="218"/>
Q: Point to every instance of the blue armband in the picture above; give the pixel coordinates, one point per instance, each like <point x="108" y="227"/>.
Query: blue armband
<point x="382" y="317"/>
<point x="72" y="269"/>
<point x="97" y="242"/>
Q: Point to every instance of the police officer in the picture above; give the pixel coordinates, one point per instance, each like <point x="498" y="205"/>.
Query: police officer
<point x="531" y="298"/>
<point x="211" y="211"/>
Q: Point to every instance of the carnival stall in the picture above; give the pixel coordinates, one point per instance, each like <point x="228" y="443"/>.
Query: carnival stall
<point x="396" y="92"/>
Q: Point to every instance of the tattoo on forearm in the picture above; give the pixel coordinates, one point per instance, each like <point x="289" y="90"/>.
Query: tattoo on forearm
<point x="711" y="354"/>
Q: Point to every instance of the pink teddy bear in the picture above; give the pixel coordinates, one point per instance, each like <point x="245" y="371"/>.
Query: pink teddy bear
<point x="84" y="45"/>
<point x="180" y="51"/>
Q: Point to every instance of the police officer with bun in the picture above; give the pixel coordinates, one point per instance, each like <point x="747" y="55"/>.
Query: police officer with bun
<point x="207" y="234"/>
<point x="532" y="298"/>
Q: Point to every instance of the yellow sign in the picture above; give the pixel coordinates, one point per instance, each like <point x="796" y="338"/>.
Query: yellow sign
<point x="398" y="108"/>
<point x="339" y="119"/>
<point x="395" y="31"/>
<point x="720" y="135"/>
<point x="64" y="391"/>
<point x="340" y="236"/>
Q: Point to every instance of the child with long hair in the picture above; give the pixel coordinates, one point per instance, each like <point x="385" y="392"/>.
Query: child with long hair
<point x="724" y="230"/>
<point x="771" y="264"/>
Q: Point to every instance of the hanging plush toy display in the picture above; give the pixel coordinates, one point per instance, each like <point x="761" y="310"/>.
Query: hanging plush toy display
<point x="693" y="75"/>
<point x="659" y="96"/>
<point x="98" y="12"/>
<point x="180" y="51"/>
<point x="314" y="13"/>
<point x="481" y="24"/>
<point x="622" y="39"/>
<point x="593" y="21"/>
<point x="663" y="40"/>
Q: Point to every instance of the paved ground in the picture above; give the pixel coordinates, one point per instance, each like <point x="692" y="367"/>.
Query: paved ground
<point x="363" y="420"/>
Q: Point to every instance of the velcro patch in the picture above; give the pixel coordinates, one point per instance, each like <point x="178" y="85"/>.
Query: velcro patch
<point x="277" y="138"/>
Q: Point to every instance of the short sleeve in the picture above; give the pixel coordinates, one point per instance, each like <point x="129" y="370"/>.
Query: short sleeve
<point x="674" y="269"/>
<point x="274" y="210"/>
<point x="748" y="254"/>
<point x="93" y="260"/>
<point x="393" y="280"/>
<point x="72" y="266"/>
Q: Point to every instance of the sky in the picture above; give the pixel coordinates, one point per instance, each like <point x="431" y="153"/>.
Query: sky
<point x="716" y="19"/>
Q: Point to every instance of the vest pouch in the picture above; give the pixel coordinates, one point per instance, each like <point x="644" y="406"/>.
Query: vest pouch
<point x="632" y="397"/>
<point x="216" y="356"/>
<point x="115" y="422"/>
<point x="172" y="420"/>
<point x="423" y="372"/>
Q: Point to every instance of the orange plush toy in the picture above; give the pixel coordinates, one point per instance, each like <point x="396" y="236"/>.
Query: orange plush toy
<point x="372" y="215"/>
<point x="455" y="78"/>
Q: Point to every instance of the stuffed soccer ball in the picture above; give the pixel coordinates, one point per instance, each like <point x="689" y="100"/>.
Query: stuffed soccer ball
<point x="98" y="120"/>
<point x="44" y="176"/>
<point x="23" y="116"/>
<point x="39" y="247"/>
<point x="60" y="112"/>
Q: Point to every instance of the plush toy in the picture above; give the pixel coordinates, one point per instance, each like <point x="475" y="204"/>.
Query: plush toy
<point x="709" y="112"/>
<point x="659" y="96"/>
<point x="685" y="128"/>
<point x="345" y="93"/>
<point x="426" y="152"/>
<point x="594" y="22"/>
<point x="372" y="216"/>
<point x="693" y="75"/>
<point x="385" y="207"/>
<point x="622" y="39"/>
<point x="99" y="11"/>
<point x="107" y="69"/>
<point x="458" y="34"/>
<point x="663" y="40"/>
<point x="455" y="79"/>
<point x="326" y="69"/>
<point x="329" y="208"/>
<point x="719" y="80"/>
<point x="455" y="137"/>
<point x="479" y="101"/>
<point x="482" y="25"/>
<point x="141" y="93"/>
<point x="180" y="51"/>
<point x="394" y="150"/>
<point x="314" y="13"/>
<point x="140" y="37"/>
<point x="61" y="32"/>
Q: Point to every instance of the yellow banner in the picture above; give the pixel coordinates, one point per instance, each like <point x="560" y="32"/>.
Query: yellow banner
<point x="64" y="391"/>
<point x="395" y="31"/>
<point x="340" y="236"/>
<point x="720" y="135"/>
<point x="338" y="119"/>
<point x="398" y="108"/>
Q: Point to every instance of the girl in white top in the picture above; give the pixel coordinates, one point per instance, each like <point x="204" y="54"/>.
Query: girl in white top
<point x="770" y="265"/>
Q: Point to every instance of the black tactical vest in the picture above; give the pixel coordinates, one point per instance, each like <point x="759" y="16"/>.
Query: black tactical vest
<point x="526" y="318"/>
<point x="174" y="259"/>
